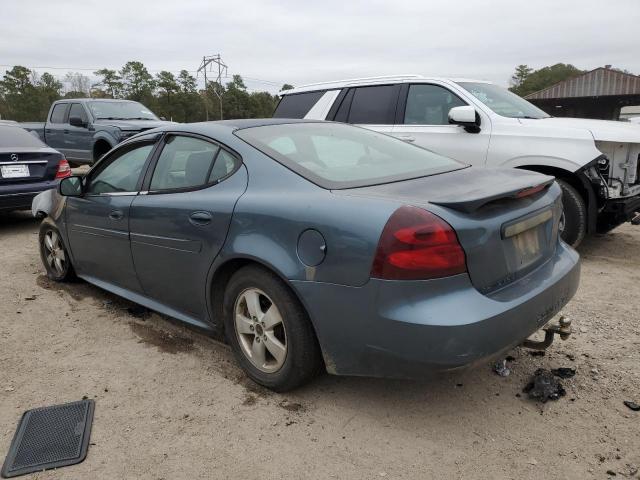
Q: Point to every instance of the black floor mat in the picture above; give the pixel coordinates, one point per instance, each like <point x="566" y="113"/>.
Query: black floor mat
<point x="50" y="437"/>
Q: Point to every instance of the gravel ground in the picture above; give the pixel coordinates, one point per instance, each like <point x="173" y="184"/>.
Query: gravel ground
<point x="170" y="402"/>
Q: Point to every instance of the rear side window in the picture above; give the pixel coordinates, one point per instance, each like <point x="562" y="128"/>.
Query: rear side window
<point x="17" y="137"/>
<point x="374" y="105"/>
<point x="429" y="105"/>
<point x="77" y="110"/>
<point x="297" y="105"/>
<point x="58" y="113"/>
<point x="185" y="162"/>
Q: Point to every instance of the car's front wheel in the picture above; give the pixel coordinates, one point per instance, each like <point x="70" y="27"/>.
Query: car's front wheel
<point x="573" y="223"/>
<point x="269" y="331"/>
<point x="54" y="254"/>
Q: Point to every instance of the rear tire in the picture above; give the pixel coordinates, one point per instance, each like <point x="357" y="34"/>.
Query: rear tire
<point x="573" y="224"/>
<point x="262" y="316"/>
<point x="54" y="254"/>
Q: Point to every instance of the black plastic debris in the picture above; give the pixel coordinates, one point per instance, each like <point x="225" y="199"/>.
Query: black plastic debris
<point x="632" y="405"/>
<point x="564" y="372"/>
<point x="536" y="353"/>
<point x="50" y="437"/>
<point x="544" y="386"/>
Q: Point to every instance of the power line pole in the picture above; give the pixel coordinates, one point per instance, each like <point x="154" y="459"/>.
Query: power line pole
<point x="206" y="64"/>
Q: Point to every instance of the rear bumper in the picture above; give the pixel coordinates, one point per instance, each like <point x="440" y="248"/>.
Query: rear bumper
<point x="409" y="329"/>
<point x="20" y="196"/>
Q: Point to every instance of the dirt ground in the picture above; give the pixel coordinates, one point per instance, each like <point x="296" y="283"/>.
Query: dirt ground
<point x="171" y="403"/>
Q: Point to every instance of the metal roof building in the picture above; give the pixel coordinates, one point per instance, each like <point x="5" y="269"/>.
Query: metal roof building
<point x="600" y="93"/>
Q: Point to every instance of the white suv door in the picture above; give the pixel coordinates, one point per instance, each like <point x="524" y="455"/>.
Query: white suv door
<point x="372" y="107"/>
<point x="423" y="119"/>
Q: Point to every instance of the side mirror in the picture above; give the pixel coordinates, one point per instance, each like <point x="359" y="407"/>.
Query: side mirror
<point x="71" y="186"/>
<point x="465" y="116"/>
<point x="77" y="122"/>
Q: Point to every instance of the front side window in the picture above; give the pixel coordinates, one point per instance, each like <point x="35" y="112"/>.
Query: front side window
<point x="58" y="113"/>
<point x="374" y="105"/>
<point x="502" y="101"/>
<point x="429" y="105"/>
<point x="120" y="110"/>
<point x="185" y="162"/>
<point x="121" y="174"/>
<point x="334" y="155"/>
<point x="77" y="110"/>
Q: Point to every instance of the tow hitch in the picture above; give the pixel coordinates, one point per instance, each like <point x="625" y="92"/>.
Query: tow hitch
<point x="562" y="328"/>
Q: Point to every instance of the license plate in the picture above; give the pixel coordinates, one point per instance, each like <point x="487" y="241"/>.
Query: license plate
<point x="528" y="246"/>
<point x="14" y="171"/>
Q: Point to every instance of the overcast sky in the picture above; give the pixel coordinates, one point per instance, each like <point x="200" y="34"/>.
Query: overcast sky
<point x="302" y="42"/>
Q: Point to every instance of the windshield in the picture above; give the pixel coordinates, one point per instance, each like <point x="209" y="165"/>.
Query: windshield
<point x="502" y="101"/>
<point x="334" y="155"/>
<point x="121" y="111"/>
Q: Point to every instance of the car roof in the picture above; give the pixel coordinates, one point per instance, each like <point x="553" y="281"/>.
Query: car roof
<point x="380" y="80"/>
<point x="69" y="100"/>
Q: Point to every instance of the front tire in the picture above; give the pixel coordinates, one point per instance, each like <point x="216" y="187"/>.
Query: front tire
<point x="269" y="331"/>
<point x="54" y="254"/>
<point x="573" y="224"/>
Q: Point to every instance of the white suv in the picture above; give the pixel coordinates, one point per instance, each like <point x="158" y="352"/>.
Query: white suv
<point x="596" y="162"/>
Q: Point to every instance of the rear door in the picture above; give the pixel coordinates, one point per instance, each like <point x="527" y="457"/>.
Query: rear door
<point x="78" y="139"/>
<point x="179" y="224"/>
<point x="423" y="119"/>
<point x="55" y="127"/>
<point x="373" y="107"/>
<point x="98" y="222"/>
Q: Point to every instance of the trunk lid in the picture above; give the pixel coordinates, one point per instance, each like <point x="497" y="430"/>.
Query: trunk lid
<point x="506" y="219"/>
<point x="23" y="165"/>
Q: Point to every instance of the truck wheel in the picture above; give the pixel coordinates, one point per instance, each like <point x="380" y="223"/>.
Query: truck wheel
<point x="573" y="224"/>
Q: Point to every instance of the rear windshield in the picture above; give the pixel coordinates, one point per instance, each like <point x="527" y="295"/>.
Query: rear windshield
<point x="11" y="137"/>
<point x="334" y="155"/>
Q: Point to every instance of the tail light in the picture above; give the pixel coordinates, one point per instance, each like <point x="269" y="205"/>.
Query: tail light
<point x="417" y="245"/>
<point x="64" y="170"/>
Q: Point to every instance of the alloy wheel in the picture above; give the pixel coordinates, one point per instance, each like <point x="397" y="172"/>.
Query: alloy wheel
<point x="54" y="252"/>
<point x="260" y="330"/>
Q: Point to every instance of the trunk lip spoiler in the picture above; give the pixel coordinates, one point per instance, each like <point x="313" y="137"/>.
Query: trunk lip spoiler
<point x="473" y="204"/>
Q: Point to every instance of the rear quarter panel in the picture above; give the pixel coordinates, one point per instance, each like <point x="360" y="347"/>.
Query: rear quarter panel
<point x="279" y="205"/>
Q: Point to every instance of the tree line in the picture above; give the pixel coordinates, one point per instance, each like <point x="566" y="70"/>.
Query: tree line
<point x="26" y="95"/>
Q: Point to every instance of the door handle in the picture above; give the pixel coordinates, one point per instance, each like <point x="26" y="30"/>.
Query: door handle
<point x="200" y="218"/>
<point x="47" y="130"/>
<point x="66" y="131"/>
<point x="407" y="138"/>
<point x="116" y="215"/>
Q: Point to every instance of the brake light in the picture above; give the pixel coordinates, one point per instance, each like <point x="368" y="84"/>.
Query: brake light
<point x="64" y="170"/>
<point x="417" y="245"/>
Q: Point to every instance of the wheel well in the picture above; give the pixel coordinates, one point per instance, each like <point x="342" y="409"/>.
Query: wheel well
<point x="100" y="148"/>
<point x="581" y="187"/>
<point x="221" y="279"/>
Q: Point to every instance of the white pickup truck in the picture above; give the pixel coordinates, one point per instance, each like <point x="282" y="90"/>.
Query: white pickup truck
<point x="596" y="162"/>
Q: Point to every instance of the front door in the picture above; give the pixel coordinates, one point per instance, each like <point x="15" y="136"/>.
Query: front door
<point x="98" y="222"/>
<point x="179" y="225"/>
<point x="425" y="122"/>
<point x="78" y="139"/>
